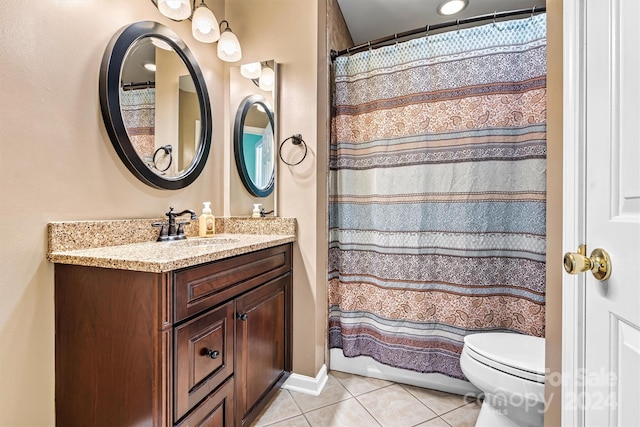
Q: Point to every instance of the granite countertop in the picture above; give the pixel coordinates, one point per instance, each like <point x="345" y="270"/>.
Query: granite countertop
<point x="92" y="243"/>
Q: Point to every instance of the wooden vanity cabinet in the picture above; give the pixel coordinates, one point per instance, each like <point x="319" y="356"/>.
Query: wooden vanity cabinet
<point x="202" y="346"/>
<point x="261" y="345"/>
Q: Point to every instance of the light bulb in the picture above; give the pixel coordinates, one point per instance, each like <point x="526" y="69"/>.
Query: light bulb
<point x="229" y="47"/>
<point x="175" y="9"/>
<point x="251" y="71"/>
<point x="267" y="79"/>
<point x="205" y="25"/>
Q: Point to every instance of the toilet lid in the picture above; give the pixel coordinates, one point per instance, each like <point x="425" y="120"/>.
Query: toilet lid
<point x="521" y="355"/>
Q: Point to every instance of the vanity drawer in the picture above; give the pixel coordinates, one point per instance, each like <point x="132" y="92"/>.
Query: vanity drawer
<point x="199" y="288"/>
<point x="215" y="411"/>
<point x="203" y="356"/>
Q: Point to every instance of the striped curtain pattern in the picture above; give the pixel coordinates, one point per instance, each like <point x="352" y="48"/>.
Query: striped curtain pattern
<point x="437" y="194"/>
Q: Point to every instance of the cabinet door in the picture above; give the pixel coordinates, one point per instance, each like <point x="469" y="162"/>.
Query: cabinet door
<point x="261" y="345"/>
<point x="112" y="358"/>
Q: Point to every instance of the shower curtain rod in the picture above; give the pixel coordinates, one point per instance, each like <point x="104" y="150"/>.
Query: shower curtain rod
<point x="426" y="29"/>
<point x="137" y="85"/>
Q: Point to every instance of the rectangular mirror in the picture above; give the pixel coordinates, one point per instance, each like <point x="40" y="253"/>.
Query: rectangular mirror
<point x="253" y="115"/>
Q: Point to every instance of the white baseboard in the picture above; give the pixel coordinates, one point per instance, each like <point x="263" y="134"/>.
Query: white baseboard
<point x="307" y="385"/>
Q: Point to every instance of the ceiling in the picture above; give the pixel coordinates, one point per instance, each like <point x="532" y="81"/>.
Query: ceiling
<point x="372" y="19"/>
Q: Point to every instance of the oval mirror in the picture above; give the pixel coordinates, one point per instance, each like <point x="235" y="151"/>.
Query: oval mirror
<point x="253" y="143"/>
<point x="155" y="105"/>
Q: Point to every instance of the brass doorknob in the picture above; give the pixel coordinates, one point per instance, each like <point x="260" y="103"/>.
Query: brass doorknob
<point x="598" y="263"/>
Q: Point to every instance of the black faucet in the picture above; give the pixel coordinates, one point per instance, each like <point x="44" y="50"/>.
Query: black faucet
<point x="175" y="229"/>
<point x="264" y="213"/>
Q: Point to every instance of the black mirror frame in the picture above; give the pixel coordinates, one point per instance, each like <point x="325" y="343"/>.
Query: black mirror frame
<point x="238" y="146"/>
<point x="109" y="90"/>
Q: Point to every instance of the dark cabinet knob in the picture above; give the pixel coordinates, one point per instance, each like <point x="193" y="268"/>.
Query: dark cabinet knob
<point x="243" y="316"/>
<point x="213" y="353"/>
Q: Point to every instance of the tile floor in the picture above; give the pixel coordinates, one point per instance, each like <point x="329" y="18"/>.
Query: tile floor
<point x="354" y="401"/>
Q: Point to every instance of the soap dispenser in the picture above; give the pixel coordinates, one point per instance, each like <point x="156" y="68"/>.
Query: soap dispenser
<point x="256" y="210"/>
<point x="207" y="222"/>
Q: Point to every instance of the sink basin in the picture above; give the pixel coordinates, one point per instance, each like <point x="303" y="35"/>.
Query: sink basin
<point x="213" y="241"/>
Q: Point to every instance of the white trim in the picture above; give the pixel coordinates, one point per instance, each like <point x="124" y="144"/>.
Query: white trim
<point x="307" y="385"/>
<point x="573" y="221"/>
<point x="253" y="130"/>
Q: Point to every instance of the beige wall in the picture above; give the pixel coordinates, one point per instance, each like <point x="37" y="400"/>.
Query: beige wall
<point x="286" y="31"/>
<point x="554" y="209"/>
<point x="189" y="111"/>
<point x="240" y="200"/>
<point x="58" y="163"/>
<point x="294" y="33"/>
<point x="338" y="36"/>
<point x="167" y="109"/>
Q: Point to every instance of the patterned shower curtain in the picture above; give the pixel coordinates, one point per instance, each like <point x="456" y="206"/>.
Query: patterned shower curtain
<point x="138" y="108"/>
<point x="437" y="194"/>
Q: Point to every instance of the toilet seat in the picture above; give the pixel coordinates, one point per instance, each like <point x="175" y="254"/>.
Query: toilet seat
<point x="509" y="369"/>
<point x="514" y="354"/>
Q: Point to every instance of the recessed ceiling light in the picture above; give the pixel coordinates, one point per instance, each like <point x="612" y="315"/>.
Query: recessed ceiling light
<point x="149" y="66"/>
<point x="161" y="43"/>
<point x="451" y="7"/>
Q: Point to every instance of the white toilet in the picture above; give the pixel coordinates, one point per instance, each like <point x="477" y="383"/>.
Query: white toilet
<point x="509" y="369"/>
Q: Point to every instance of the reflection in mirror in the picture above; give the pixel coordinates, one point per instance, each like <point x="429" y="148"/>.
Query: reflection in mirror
<point x="253" y="145"/>
<point x="257" y="141"/>
<point x="155" y="105"/>
<point x="160" y="107"/>
<point x="257" y="154"/>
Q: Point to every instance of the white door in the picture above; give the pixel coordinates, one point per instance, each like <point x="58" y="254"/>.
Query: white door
<point x="612" y="217"/>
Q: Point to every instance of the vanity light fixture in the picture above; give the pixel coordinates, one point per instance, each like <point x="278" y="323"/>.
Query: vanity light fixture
<point x="204" y="26"/>
<point x="451" y="7"/>
<point x="175" y="9"/>
<point x="229" y="49"/>
<point x="260" y="73"/>
<point x="251" y="70"/>
<point x="267" y="78"/>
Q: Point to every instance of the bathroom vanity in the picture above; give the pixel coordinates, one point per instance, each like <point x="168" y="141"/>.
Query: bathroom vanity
<point x="190" y="333"/>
